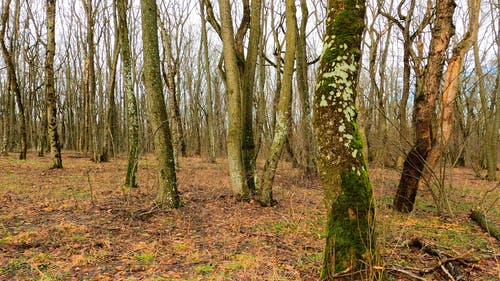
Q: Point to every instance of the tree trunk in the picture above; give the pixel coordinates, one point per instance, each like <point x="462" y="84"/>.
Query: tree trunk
<point x="424" y="104"/>
<point x="12" y="77"/>
<point x="167" y="195"/>
<point x="445" y="119"/>
<point x="283" y="114"/>
<point x="169" y="75"/>
<point x="50" y="91"/>
<point x="350" y="241"/>
<point x="239" y="183"/>
<point x="132" y="117"/>
<point x="208" y="77"/>
<point x="303" y="90"/>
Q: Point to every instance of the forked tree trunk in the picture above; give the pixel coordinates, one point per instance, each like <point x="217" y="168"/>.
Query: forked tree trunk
<point x="350" y="241"/>
<point x="424" y="104"/>
<point x="50" y="91"/>
<point x="283" y="114"/>
<point x="445" y="119"/>
<point x="239" y="184"/>
<point x="167" y="195"/>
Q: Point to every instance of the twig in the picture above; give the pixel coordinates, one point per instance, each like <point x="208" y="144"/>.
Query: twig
<point x="90" y="187"/>
<point x="447" y="273"/>
<point x="408" y="273"/>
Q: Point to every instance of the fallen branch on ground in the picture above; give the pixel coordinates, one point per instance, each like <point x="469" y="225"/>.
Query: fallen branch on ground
<point x="479" y="217"/>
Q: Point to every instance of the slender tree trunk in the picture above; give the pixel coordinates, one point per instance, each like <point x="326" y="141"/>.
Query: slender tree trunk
<point x="50" y="91"/>
<point x="167" y="195"/>
<point x="248" y="85"/>
<point x="169" y="75"/>
<point x="5" y="119"/>
<point x="283" y="114"/>
<point x="350" y="240"/>
<point x="208" y="77"/>
<point x="12" y="77"/>
<point x="303" y="90"/>
<point x="132" y="116"/>
<point x="424" y="104"/>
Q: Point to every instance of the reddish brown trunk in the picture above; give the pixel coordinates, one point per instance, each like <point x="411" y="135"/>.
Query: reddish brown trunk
<point x="424" y="107"/>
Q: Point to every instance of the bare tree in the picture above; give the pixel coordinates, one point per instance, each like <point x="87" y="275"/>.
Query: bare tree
<point x="50" y="91"/>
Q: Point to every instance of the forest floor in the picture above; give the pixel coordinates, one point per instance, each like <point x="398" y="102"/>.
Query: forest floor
<point x="78" y="223"/>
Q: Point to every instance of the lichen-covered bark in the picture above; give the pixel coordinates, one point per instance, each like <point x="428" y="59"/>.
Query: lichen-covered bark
<point x="350" y="243"/>
<point x="167" y="195"/>
<point x="282" y="120"/>
<point x="132" y="118"/>
<point x="50" y="92"/>
<point x="425" y="101"/>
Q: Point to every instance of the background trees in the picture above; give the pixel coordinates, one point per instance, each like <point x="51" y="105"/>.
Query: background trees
<point x="400" y="113"/>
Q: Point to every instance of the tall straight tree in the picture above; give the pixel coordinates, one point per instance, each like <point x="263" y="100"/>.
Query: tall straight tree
<point x="350" y="241"/>
<point x="283" y="110"/>
<point x="50" y="91"/>
<point x="208" y="77"/>
<point x="12" y="80"/>
<point x="425" y="102"/>
<point x="167" y="195"/>
<point x="132" y="118"/>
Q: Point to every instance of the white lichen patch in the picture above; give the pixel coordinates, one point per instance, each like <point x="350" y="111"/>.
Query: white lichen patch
<point x="354" y="153"/>
<point x="342" y="128"/>
<point x="323" y="101"/>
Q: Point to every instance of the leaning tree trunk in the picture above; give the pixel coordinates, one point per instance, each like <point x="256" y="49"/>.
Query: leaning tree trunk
<point x="12" y="78"/>
<point x="167" y="195"/>
<point x="50" y="91"/>
<point x="445" y="119"/>
<point x="283" y="114"/>
<point x="425" y="101"/>
<point x="132" y="118"/>
<point x="350" y="241"/>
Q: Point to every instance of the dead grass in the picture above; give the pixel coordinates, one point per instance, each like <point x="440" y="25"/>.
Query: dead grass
<point x="78" y="223"/>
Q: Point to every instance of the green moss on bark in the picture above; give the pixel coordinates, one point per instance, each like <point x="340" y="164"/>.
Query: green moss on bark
<point x="350" y="244"/>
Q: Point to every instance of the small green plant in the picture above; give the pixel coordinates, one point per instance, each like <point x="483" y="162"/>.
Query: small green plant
<point x="205" y="268"/>
<point x="144" y="258"/>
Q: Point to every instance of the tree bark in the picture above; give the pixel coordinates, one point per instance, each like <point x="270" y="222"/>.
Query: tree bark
<point x="445" y="119"/>
<point x="50" y="91"/>
<point x="350" y="241"/>
<point x="12" y="78"/>
<point x="283" y="114"/>
<point x="241" y="191"/>
<point x="132" y="117"/>
<point x="208" y="78"/>
<point x="424" y="104"/>
<point x="167" y="195"/>
<point x="303" y="90"/>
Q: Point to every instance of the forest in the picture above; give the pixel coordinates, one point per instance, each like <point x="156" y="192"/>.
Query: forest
<point x="249" y="140"/>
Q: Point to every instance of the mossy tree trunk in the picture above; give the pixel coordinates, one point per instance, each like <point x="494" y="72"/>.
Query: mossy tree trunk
<point x="350" y="241"/>
<point x="132" y="117"/>
<point x="167" y="195"/>
<point x="284" y="108"/>
<point x="50" y="91"/>
<point x="425" y="101"/>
